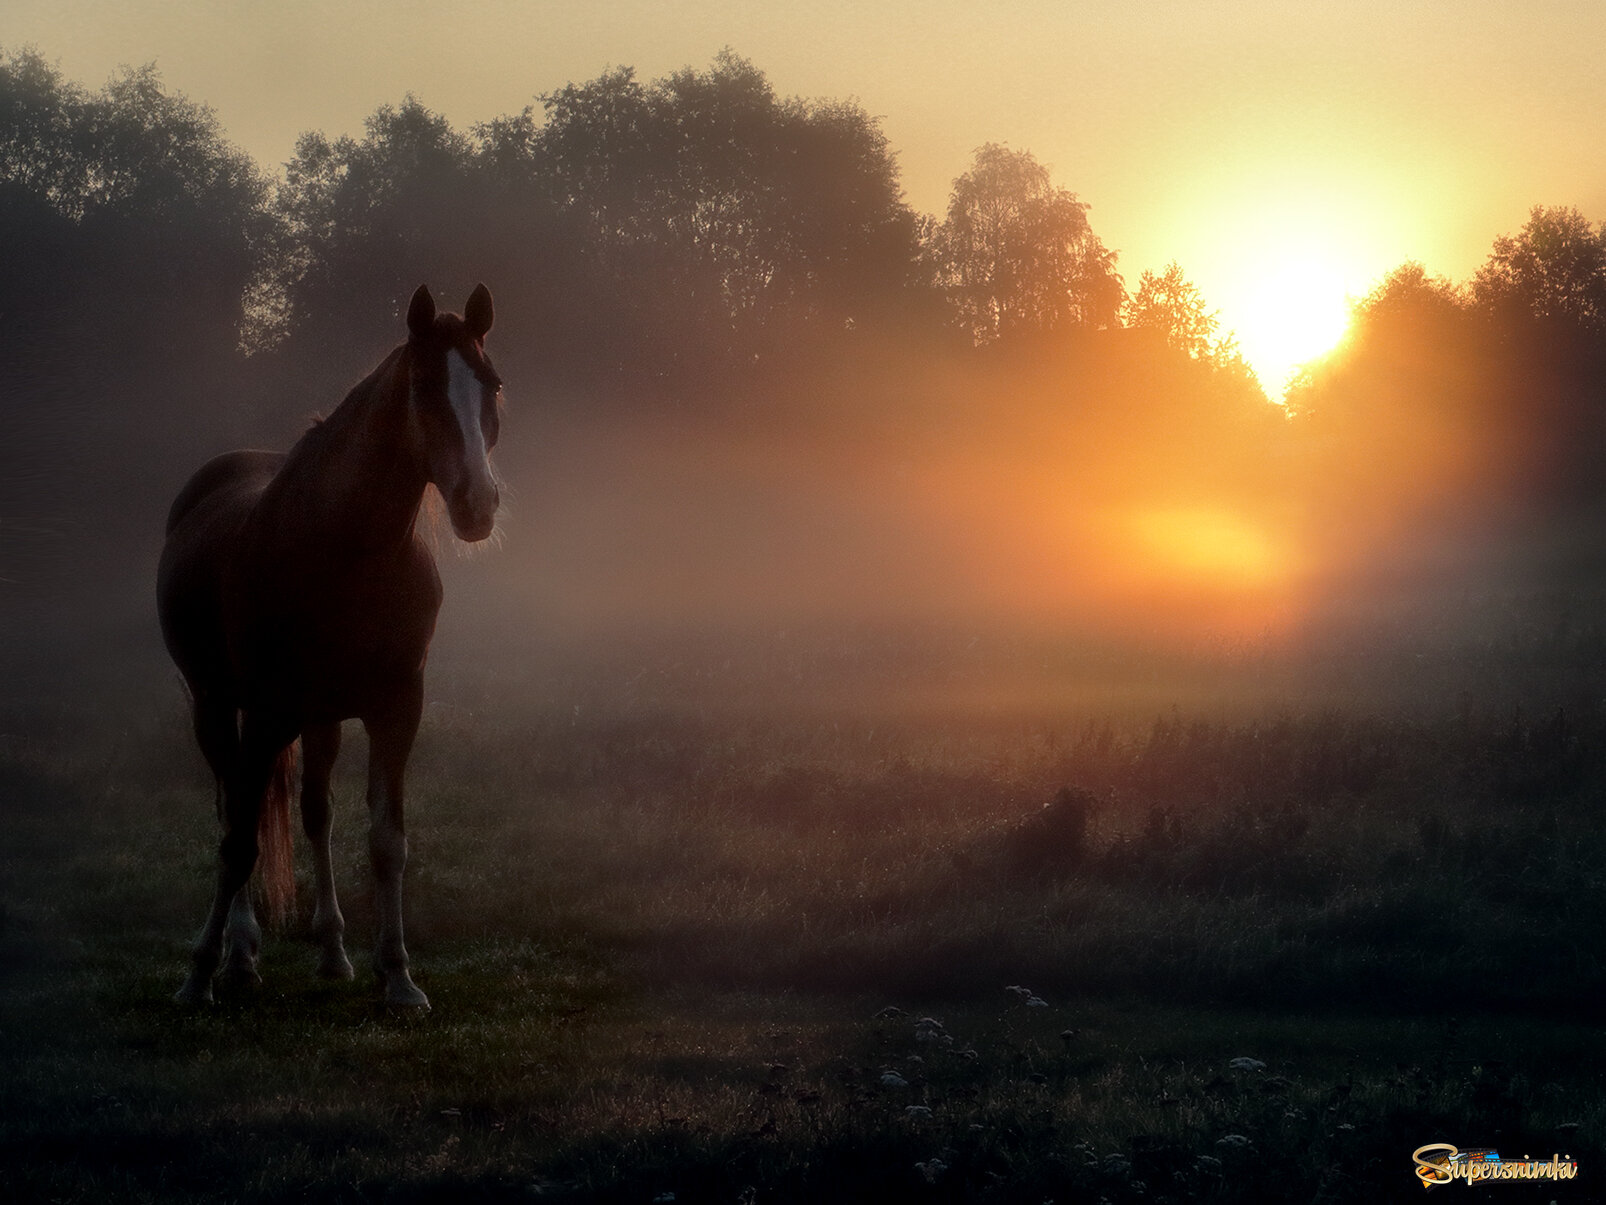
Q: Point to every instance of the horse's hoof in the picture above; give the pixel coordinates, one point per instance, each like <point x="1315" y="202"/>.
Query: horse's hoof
<point x="336" y="966"/>
<point x="238" y="984"/>
<point x="192" y="994"/>
<point x="240" y="974"/>
<point x="406" y="996"/>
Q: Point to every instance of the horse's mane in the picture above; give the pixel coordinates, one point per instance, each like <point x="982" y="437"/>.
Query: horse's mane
<point x="324" y="428"/>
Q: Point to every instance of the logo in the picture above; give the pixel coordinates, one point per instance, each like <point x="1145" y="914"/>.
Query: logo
<point x="1440" y="1163"/>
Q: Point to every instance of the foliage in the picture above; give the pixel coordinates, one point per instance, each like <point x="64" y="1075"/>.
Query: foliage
<point x="1491" y="392"/>
<point x="1018" y="254"/>
<point x="366" y="219"/>
<point x="131" y="191"/>
<point x="755" y="206"/>
<point x="1553" y="271"/>
<point x="1172" y="305"/>
<point x="133" y="235"/>
<point x="700" y="218"/>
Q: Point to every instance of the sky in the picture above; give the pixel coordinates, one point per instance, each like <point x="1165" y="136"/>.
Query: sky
<point x="1285" y="153"/>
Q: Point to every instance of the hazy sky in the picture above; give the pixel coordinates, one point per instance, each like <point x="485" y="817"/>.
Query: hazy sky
<point x="1284" y="152"/>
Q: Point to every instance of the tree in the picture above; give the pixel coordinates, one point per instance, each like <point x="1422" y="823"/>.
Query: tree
<point x="739" y="213"/>
<point x="370" y="218"/>
<point x="131" y="231"/>
<point x="1172" y="305"/>
<point x="1017" y="253"/>
<point x="658" y="228"/>
<point x="1552" y="272"/>
<point x="41" y="147"/>
<point x="132" y="189"/>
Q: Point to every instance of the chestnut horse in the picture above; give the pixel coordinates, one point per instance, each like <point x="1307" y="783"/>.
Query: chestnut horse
<point x="294" y="593"/>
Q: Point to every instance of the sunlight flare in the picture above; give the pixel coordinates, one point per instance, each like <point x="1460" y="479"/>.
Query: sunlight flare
<point x="1205" y="547"/>
<point x="1297" y="310"/>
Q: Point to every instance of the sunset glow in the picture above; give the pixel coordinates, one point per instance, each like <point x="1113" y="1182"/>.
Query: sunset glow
<point x="1098" y="488"/>
<point x="1295" y="312"/>
<point x="1289" y="258"/>
<point x="1201" y="546"/>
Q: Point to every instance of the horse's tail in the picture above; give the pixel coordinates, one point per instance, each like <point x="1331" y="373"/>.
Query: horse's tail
<point x="276" y="850"/>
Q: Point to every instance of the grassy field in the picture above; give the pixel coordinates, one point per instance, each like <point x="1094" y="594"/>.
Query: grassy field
<point x="760" y="959"/>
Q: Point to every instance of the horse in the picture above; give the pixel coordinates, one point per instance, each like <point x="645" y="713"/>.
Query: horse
<point x="295" y="592"/>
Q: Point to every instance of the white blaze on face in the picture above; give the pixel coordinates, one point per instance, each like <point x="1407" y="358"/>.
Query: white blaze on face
<point x="465" y="392"/>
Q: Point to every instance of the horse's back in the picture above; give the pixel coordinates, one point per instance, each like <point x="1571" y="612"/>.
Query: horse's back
<point x="247" y="469"/>
<point x="203" y="525"/>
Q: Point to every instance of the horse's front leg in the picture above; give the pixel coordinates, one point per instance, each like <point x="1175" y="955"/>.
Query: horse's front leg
<point x="390" y="741"/>
<point x="242" y="941"/>
<point x="320" y="746"/>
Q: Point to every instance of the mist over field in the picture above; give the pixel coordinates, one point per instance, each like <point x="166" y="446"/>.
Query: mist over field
<point x="764" y="416"/>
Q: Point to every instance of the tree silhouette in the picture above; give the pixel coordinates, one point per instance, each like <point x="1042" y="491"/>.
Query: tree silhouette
<point x="129" y="190"/>
<point x="368" y="218"/>
<point x="663" y="228"/>
<point x="1172" y="305"/>
<point x="706" y="196"/>
<point x="1553" y="272"/>
<point x="1017" y="254"/>
<point x="132" y="231"/>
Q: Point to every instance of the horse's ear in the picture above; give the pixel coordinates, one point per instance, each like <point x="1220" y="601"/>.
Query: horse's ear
<point x="477" y="313"/>
<point x="421" y="313"/>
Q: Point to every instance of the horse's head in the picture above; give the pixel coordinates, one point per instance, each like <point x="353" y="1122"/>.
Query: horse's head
<point x="454" y="395"/>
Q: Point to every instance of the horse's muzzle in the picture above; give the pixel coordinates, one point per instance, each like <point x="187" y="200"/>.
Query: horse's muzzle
<point x="473" y="519"/>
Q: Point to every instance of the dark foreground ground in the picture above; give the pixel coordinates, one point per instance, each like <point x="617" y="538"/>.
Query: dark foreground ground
<point x="813" y="960"/>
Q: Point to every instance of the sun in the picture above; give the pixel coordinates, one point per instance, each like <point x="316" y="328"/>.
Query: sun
<point x="1296" y="309"/>
<point x="1281" y="256"/>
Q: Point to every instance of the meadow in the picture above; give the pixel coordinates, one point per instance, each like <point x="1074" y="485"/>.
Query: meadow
<point x="745" y="954"/>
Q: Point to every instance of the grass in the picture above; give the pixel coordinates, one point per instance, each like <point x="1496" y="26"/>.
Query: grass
<point x="763" y="960"/>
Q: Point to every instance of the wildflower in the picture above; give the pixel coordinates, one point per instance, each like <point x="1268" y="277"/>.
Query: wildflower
<point x="1246" y="1064"/>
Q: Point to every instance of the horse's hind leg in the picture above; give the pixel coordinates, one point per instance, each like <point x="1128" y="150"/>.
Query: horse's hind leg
<point x="217" y="732"/>
<point x="319" y="747"/>
<point x="243" y="790"/>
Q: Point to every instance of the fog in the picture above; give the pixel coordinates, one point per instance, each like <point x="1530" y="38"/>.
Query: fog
<point x="775" y="442"/>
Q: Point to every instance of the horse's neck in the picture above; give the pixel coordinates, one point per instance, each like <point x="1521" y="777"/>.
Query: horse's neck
<point x="355" y="481"/>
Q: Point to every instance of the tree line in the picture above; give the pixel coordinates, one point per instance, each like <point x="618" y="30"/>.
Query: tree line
<point x="696" y="220"/>
<point x="682" y="234"/>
